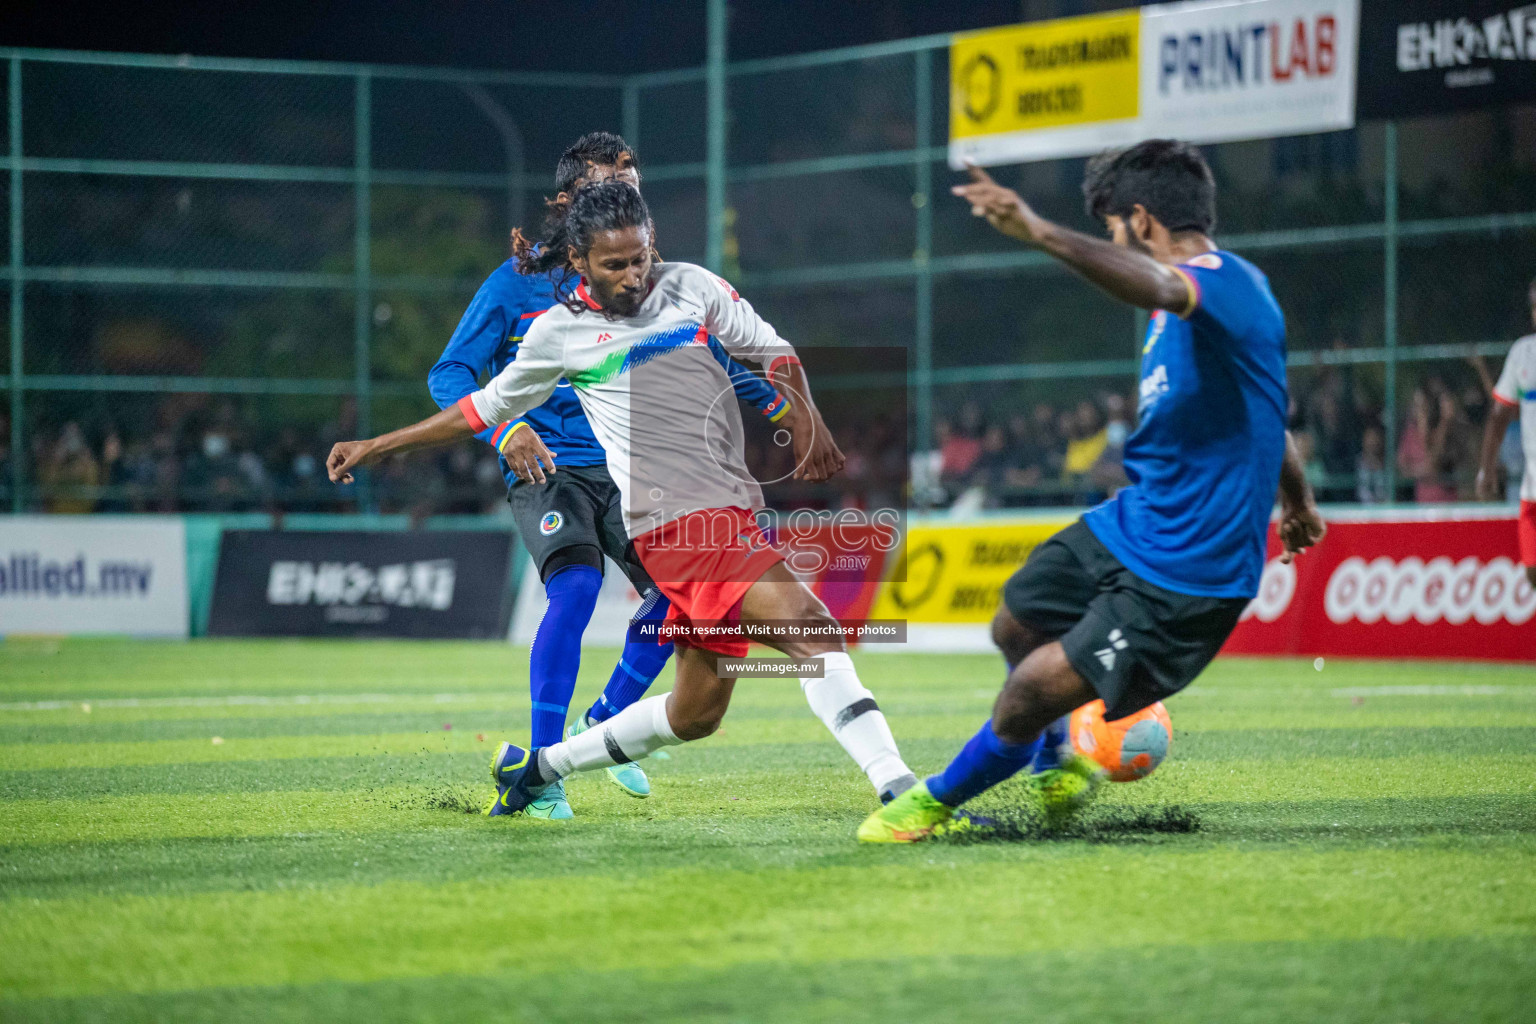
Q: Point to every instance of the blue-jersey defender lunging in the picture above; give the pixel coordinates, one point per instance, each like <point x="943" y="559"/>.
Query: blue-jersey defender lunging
<point x="568" y="520"/>
<point x="1131" y="602"/>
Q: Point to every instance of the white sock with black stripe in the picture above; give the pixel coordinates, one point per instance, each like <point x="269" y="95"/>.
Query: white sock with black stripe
<point x="631" y="734"/>
<point x="850" y="712"/>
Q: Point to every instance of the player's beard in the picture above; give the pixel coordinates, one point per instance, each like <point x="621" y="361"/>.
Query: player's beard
<point x="625" y="303"/>
<point x="1136" y="244"/>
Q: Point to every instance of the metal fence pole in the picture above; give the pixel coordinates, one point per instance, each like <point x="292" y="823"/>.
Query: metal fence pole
<point x="715" y="115"/>
<point x="362" y="274"/>
<point x="18" y="445"/>
<point x="922" y="198"/>
<point x="1389" y="311"/>
<point x="629" y="119"/>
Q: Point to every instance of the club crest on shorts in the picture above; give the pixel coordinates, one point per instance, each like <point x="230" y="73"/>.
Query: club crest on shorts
<point x="551" y="523"/>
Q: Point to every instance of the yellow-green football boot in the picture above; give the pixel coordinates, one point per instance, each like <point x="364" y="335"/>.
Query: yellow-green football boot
<point x="912" y="816"/>
<point x="1067" y="791"/>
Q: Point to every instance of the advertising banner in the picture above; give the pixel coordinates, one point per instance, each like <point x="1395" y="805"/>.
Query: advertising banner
<point x="1218" y="71"/>
<point x="419" y="584"/>
<point x="1204" y="70"/>
<point x="953" y="574"/>
<point x="81" y="575"/>
<point x="1440" y="585"/>
<point x="1434" y="56"/>
<point x="1045" y="89"/>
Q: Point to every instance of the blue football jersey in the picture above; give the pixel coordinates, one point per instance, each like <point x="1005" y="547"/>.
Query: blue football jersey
<point x="487" y="339"/>
<point x="1204" y="460"/>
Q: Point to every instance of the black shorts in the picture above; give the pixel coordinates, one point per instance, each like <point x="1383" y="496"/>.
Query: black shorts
<point x="577" y="506"/>
<point x="1134" y="642"/>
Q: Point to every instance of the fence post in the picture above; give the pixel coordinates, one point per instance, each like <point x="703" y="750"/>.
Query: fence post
<point x="629" y="118"/>
<point x="1389" y="319"/>
<point x="715" y="115"/>
<point x="362" y="274"/>
<point x="922" y="198"/>
<point x="18" y="442"/>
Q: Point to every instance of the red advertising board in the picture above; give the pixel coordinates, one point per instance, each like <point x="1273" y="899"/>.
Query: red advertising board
<point x="1440" y="583"/>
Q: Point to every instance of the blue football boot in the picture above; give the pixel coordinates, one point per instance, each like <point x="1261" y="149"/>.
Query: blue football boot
<point x="509" y="769"/>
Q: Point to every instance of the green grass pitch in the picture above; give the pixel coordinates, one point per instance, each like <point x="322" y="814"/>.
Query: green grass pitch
<point x="273" y="831"/>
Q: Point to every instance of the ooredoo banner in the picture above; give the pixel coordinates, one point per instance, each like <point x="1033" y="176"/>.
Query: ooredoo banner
<point x="1433" y="585"/>
<point x="82" y="575"/>
<point x="426" y="583"/>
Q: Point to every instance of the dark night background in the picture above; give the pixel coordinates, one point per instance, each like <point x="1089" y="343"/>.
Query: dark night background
<point x="606" y="37"/>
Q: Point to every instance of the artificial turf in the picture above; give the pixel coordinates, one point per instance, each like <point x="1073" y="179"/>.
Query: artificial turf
<point x="1363" y="844"/>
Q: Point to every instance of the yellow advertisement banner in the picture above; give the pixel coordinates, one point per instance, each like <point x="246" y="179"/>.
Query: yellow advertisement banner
<point x="1046" y="74"/>
<point x="955" y="573"/>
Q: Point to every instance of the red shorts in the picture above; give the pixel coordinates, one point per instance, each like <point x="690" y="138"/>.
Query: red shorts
<point x="705" y="562"/>
<point x="1527" y="532"/>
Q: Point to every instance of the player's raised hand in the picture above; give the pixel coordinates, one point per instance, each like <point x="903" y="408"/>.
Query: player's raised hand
<point x="526" y="454"/>
<point x="346" y="456"/>
<point x="1002" y="207"/>
<point x="1300" y="528"/>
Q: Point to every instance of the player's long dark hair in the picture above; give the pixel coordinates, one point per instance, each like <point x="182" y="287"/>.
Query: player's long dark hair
<point x="571" y="223"/>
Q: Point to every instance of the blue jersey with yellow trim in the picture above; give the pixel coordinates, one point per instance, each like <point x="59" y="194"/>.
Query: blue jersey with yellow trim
<point x="487" y="339"/>
<point x="1204" y="461"/>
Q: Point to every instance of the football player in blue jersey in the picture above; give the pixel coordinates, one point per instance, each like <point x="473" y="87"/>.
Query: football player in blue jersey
<point x="1131" y="602"/>
<point x="568" y="520"/>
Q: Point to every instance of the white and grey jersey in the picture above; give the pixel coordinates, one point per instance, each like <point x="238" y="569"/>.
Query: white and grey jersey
<point x="659" y="399"/>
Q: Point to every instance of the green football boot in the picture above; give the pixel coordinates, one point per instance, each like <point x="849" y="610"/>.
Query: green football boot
<point x="1067" y="791"/>
<point x="551" y="804"/>
<point x="627" y="776"/>
<point x="912" y="816"/>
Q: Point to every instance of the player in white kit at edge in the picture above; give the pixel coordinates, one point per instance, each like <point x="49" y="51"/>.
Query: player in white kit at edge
<point x="1515" y="395"/>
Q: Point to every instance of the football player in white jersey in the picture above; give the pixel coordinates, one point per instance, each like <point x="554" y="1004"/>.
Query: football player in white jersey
<point x="632" y="339"/>
<point x="1515" y="396"/>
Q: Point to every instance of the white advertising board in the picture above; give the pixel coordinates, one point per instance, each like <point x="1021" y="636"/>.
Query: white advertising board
<point x="104" y="575"/>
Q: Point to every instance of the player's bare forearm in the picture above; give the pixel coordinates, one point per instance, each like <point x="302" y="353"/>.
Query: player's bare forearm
<point x="1125" y="274"/>
<point x="446" y="426"/>
<point x="1129" y="276"/>
<point x="1499" y="420"/>
<point x="1295" y="490"/>
<point x="1301" y="524"/>
<point x="817" y="456"/>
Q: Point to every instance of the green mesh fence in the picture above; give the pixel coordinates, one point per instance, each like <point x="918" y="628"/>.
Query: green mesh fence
<point x="217" y="267"/>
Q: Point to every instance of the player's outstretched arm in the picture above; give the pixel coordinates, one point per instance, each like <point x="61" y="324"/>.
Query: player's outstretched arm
<point x="448" y="425"/>
<point x="1301" y="524"/>
<point x="1126" y="274"/>
<point x="817" y="456"/>
<point x="1499" y="419"/>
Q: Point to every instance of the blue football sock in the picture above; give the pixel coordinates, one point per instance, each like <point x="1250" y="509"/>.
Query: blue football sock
<point x="1053" y="742"/>
<point x="982" y="763"/>
<point x="640" y="663"/>
<point x="556" y="656"/>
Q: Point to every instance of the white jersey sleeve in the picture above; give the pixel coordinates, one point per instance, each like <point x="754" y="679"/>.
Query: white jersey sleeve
<point x="528" y="380"/>
<point x="732" y="320"/>
<point x="1519" y="364"/>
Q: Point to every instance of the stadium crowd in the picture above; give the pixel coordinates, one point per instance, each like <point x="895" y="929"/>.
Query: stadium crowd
<point x="1071" y="453"/>
<point x="1063" y="453"/>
